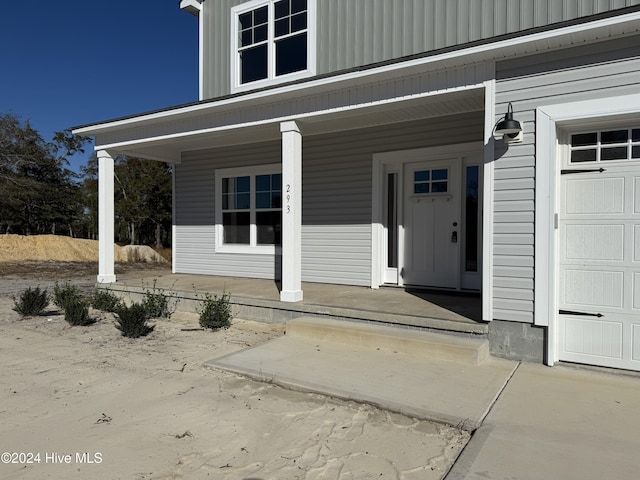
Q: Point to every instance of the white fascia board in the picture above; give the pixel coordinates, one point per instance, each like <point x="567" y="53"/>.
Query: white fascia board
<point x="484" y="52"/>
<point x="194" y="7"/>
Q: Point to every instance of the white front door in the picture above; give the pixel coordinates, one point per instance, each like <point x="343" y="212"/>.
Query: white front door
<point x="599" y="296"/>
<point x="432" y="224"/>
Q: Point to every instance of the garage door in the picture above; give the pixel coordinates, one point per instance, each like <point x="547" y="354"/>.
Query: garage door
<point x="599" y="257"/>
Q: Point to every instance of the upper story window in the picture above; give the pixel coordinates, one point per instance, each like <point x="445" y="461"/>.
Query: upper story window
<point x="273" y="41"/>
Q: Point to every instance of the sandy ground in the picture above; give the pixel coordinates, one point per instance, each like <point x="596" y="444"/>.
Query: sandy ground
<point x="85" y="402"/>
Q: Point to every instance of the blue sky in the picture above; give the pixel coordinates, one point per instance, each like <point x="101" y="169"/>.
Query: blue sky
<point x="66" y="63"/>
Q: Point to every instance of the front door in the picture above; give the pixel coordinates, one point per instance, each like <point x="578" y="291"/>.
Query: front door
<point x="432" y="224"/>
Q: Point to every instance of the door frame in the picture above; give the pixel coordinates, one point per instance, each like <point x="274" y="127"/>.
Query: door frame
<point x="551" y="123"/>
<point x="394" y="162"/>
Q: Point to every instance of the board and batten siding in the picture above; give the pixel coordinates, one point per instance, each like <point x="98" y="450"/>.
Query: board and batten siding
<point x="588" y="72"/>
<point x="336" y="198"/>
<point x="360" y="32"/>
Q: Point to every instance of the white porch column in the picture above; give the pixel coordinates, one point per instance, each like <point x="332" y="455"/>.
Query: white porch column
<point x="106" y="218"/>
<point x="291" y="212"/>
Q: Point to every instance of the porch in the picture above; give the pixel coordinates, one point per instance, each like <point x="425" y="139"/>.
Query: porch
<point x="259" y="300"/>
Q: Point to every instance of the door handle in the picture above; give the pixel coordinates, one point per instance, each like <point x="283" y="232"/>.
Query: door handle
<point x="454" y="236"/>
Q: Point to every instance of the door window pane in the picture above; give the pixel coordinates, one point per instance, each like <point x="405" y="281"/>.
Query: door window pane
<point x="471" y="219"/>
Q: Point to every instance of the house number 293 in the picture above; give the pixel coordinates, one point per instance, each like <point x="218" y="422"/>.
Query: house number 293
<point x="288" y="197"/>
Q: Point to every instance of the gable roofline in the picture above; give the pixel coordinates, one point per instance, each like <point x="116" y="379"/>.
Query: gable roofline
<point x="505" y="46"/>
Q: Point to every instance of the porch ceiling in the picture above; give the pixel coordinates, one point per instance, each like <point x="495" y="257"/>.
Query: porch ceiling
<point x="169" y="148"/>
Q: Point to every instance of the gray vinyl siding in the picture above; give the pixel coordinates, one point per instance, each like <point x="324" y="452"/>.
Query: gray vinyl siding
<point x="359" y="32"/>
<point x="336" y="195"/>
<point x="589" y="72"/>
<point x="195" y="212"/>
<point x="336" y="231"/>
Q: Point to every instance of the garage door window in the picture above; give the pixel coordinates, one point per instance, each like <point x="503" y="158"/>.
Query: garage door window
<point x="606" y="145"/>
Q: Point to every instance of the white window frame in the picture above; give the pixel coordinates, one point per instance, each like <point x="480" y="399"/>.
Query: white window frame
<point x="271" y="79"/>
<point x="252" y="172"/>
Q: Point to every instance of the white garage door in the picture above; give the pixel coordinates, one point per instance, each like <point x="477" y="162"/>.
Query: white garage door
<point x="599" y="271"/>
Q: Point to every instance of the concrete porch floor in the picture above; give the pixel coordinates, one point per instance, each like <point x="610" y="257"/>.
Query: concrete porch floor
<point x="256" y="299"/>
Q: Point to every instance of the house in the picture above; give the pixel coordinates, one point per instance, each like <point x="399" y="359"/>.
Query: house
<point x="357" y="143"/>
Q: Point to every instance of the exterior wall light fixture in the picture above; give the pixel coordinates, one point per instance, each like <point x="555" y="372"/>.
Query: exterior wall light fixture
<point x="510" y="129"/>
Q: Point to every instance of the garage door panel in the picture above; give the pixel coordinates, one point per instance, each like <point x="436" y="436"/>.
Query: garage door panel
<point x="594" y="242"/>
<point x="636" y="243"/>
<point x="593" y="288"/>
<point x="593" y="337"/>
<point x="594" y="196"/>
<point x="636" y="291"/>
<point x="636" y="195"/>
<point x="635" y="355"/>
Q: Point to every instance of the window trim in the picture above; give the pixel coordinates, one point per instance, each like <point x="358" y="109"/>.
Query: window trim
<point x="251" y="171"/>
<point x="271" y="79"/>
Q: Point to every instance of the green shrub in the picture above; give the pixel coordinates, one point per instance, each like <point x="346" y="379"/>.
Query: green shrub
<point x="132" y="321"/>
<point x="105" y="300"/>
<point x="76" y="311"/>
<point x="64" y="293"/>
<point x="156" y="303"/>
<point x="215" y="312"/>
<point x="31" y="302"/>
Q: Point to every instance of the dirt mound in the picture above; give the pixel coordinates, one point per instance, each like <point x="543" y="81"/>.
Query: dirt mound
<point x="66" y="249"/>
<point x="141" y="253"/>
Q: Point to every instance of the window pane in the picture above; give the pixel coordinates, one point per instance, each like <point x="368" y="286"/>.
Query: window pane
<point x="583" y="156"/>
<point x="245" y="20"/>
<point x="226" y="185"/>
<point x="260" y="16"/>
<point x="246" y="38"/>
<point x="243" y="184"/>
<point x="282" y="8"/>
<point x="260" y="34"/>
<point x="614" y="153"/>
<point x="263" y="183"/>
<point x="276" y="200"/>
<point x="439" y="187"/>
<point x="299" y="22"/>
<point x="282" y="27"/>
<point x="268" y="228"/>
<point x="263" y="200"/>
<point x="635" y="152"/>
<point x="583" y="139"/>
<point x="227" y="201"/>
<point x="298" y="6"/>
<point x="236" y="227"/>
<point x="421" y="188"/>
<point x="276" y="182"/>
<point x="471" y="220"/>
<point x="616" y="136"/>
<point x="243" y="201"/>
<point x="439" y="174"/>
<point x="421" y="176"/>
<point x="253" y="64"/>
<point x="635" y="135"/>
<point x="291" y="54"/>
